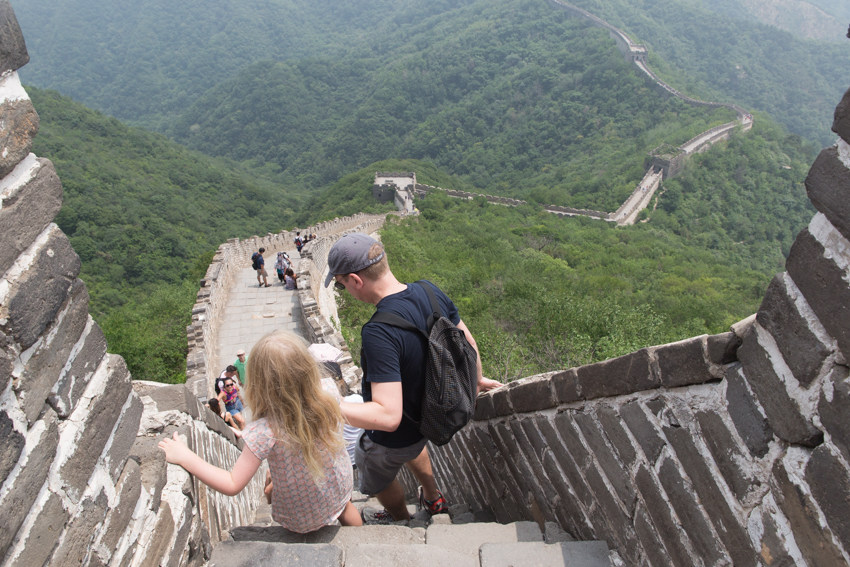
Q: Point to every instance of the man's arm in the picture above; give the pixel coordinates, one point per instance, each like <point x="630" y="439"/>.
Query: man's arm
<point x="383" y="413"/>
<point x="484" y="384"/>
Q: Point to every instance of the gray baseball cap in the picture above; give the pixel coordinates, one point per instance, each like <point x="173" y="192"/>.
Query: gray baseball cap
<point x="350" y="254"/>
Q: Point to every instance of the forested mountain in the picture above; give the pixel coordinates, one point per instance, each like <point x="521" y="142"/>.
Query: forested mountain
<point x="148" y="61"/>
<point x="823" y="20"/>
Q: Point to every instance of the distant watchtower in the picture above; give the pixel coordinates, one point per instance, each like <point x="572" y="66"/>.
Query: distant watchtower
<point x="387" y="182"/>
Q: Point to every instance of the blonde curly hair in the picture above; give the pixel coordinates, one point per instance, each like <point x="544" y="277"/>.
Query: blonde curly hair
<point x="283" y="386"/>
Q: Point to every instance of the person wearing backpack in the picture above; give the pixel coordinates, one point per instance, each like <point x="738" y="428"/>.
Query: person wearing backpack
<point x="299" y="242"/>
<point x="393" y="359"/>
<point x="258" y="263"/>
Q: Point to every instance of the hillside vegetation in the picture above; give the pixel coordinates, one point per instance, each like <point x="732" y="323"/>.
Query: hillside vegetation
<point x="145" y="215"/>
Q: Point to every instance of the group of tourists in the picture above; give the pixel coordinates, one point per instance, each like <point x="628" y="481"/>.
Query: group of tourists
<point x="305" y="430"/>
<point x="283" y="266"/>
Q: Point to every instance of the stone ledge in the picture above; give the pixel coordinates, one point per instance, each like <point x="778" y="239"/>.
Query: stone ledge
<point x="828" y="187"/>
<point x="18" y="128"/>
<point x="13" y="49"/>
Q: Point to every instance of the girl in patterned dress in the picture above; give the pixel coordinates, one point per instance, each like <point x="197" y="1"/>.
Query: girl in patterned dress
<point x="298" y="427"/>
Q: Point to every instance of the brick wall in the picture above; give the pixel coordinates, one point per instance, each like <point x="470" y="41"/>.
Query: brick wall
<point x="716" y="450"/>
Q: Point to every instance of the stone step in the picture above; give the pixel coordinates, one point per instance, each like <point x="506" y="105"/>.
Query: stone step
<point x="465" y="539"/>
<point x="385" y="555"/>
<point x="265" y="554"/>
<point x="567" y="554"/>
<point x="339" y="535"/>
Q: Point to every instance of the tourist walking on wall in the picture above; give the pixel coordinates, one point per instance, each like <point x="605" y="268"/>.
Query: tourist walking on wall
<point x="393" y="362"/>
<point x="291" y="278"/>
<point x="232" y="401"/>
<point x="298" y="428"/>
<point x="239" y="365"/>
<point x="299" y="242"/>
<point x="281" y="265"/>
<point x="259" y="264"/>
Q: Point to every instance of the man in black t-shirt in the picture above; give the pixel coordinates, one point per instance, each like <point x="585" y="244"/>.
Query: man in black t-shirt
<point x="393" y="362"/>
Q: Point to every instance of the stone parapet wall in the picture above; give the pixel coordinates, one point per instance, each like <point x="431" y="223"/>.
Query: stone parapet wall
<point x="716" y="450"/>
<point x="82" y="481"/>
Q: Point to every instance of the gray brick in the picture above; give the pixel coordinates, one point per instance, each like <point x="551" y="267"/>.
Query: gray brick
<point x="646" y="434"/>
<point x="13" y="49"/>
<point x="727" y="454"/>
<point x="608" y="461"/>
<point x="44" y="367"/>
<point x="835" y="414"/>
<point x="76" y="541"/>
<point x="125" y="437"/>
<point x="73" y="381"/>
<point x="662" y="519"/>
<point x="97" y="426"/>
<point x="11" y="446"/>
<point x="128" y="490"/>
<point x="516" y="482"/>
<point x="828" y="187"/>
<point x="29" y="207"/>
<point x="532" y="394"/>
<point x="466" y="539"/>
<point x="40" y="541"/>
<point x="723" y="348"/>
<point x="17" y="130"/>
<point x="841" y="122"/>
<point x="530" y="468"/>
<point x="802" y="350"/>
<point x="829" y="480"/>
<point x="161" y="538"/>
<point x="23" y="491"/>
<point x="683" y="363"/>
<point x="822" y="284"/>
<point x="38" y="294"/>
<point x="565" y="384"/>
<point x="691" y="518"/>
<point x="816" y="547"/>
<point x="612" y="425"/>
<point x="569" y="554"/>
<point x="617" y="376"/>
<point x="751" y="424"/>
<point x="538" y="449"/>
<point x="783" y="413"/>
<point x="484" y="408"/>
<point x="501" y="401"/>
<point x="774" y="545"/>
<point x="651" y="543"/>
<point x="181" y="538"/>
<point x="7" y="364"/>
<point x="500" y="496"/>
<point x="730" y="532"/>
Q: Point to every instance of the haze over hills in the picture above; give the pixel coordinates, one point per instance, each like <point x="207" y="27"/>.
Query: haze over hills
<point x="824" y="20"/>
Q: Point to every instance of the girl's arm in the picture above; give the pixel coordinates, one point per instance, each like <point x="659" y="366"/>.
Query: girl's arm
<point x="229" y="483"/>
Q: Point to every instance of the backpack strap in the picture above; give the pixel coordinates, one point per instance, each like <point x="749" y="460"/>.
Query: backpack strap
<point x="436" y="312"/>
<point x="396" y="321"/>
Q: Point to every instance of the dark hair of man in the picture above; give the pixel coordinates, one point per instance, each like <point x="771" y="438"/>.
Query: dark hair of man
<point x="262" y="250"/>
<point x="230" y="368"/>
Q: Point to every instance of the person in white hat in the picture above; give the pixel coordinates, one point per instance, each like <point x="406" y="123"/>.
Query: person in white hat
<point x="241" y="359"/>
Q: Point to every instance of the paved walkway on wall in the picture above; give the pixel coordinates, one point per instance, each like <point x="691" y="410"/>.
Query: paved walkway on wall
<point x="253" y="311"/>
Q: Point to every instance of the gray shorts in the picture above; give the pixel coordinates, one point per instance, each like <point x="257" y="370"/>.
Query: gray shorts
<point x="378" y="465"/>
<point x="261" y="273"/>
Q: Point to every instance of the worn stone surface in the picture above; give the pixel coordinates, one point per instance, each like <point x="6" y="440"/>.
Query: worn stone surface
<point x="822" y="284"/>
<point x="751" y="424"/>
<point x="11" y="444"/>
<point x="484" y="407"/>
<point x="802" y="350"/>
<point x="47" y="362"/>
<point x="161" y="537"/>
<point x="815" y="545"/>
<point x="835" y="413"/>
<point x="612" y="425"/>
<point x="13" y="49"/>
<point x="617" y="376"/>
<point x="691" y="518"/>
<point x="96" y="428"/>
<point x="22" y="493"/>
<point x="37" y="295"/>
<point x="27" y="207"/>
<point x="384" y="555"/>
<point x="467" y="538"/>
<point x="17" y="130"/>
<point x="726" y="453"/>
<point x="76" y="540"/>
<point x="152" y="465"/>
<point x="829" y="480"/>
<point x="648" y="437"/>
<point x="653" y="548"/>
<point x="529" y="466"/>
<point x="608" y="461"/>
<point x="841" y="118"/>
<point x="501" y="401"/>
<point x="783" y="413"/>
<point x="774" y="550"/>
<point x="242" y="554"/>
<point x="532" y="394"/>
<point x="828" y="187"/>
<point x="683" y="363"/>
<point x="565" y="385"/>
<point x="168" y="397"/>
<point x="128" y="490"/>
<point x="571" y="554"/>
<point x="663" y="519"/>
<point x="73" y="380"/>
<point x="7" y="358"/>
<point x="723" y="348"/>
<point x="731" y="533"/>
<point x="45" y="532"/>
<point x="125" y="437"/>
<point x="181" y="538"/>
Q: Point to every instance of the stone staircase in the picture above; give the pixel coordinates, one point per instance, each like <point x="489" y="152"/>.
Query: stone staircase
<point x="462" y="538"/>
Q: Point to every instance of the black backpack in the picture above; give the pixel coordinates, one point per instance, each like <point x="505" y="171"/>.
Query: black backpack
<point x="451" y="373"/>
<point x="254" y="260"/>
